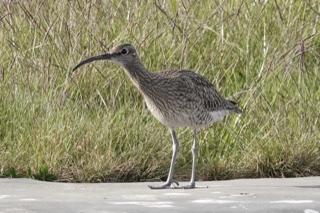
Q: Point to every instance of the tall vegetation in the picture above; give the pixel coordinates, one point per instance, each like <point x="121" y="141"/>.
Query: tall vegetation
<point x="93" y="125"/>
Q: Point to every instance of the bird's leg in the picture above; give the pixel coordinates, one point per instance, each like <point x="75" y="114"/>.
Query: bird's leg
<point x="194" y="151"/>
<point x="175" y="149"/>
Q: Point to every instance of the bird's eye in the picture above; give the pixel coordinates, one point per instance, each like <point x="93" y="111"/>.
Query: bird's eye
<point x="124" y="51"/>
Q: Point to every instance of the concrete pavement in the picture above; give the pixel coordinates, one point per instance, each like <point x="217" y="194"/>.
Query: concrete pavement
<point x="243" y="195"/>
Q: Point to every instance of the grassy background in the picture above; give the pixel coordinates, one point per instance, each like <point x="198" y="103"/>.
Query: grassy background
<point x="93" y="125"/>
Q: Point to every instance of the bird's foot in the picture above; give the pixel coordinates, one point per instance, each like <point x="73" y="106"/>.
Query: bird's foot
<point x="168" y="184"/>
<point x="192" y="185"/>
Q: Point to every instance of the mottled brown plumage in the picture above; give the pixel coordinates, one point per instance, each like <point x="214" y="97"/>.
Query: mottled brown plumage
<point x="177" y="98"/>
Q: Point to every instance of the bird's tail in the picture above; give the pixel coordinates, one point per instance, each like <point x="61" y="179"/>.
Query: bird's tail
<point x="232" y="106"/>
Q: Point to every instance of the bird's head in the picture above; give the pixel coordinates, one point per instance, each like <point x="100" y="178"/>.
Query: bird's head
<point x="122" y="54"/>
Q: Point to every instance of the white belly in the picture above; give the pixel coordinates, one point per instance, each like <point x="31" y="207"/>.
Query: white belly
<point x="174" y="119"/>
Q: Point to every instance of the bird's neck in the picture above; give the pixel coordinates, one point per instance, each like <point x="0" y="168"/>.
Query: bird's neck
<point x="140" y="76"/>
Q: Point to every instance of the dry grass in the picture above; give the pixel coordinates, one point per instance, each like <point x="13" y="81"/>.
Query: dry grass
<point x="93" y="126"/>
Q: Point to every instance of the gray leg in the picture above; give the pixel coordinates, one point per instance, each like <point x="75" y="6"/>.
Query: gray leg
<point x="194" y="151"/>
<point x="175" y="149"/>
<point x="194" y="158"/>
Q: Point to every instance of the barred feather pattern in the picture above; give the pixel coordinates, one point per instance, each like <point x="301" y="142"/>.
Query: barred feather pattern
<point x="177" y="98"/>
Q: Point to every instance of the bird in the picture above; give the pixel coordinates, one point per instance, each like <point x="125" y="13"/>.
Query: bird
<point x="176" y="98"/>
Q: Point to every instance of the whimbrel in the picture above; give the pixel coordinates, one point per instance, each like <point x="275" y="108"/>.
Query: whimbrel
<point x="176" y="98"/>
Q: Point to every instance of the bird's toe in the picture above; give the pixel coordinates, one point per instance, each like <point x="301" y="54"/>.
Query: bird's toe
<point x="168" y="184"/>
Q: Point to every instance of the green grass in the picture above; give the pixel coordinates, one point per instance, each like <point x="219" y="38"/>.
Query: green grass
<point x="93" y="126"/>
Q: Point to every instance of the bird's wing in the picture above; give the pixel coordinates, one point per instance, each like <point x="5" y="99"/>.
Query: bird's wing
<point x="195" y="89"/>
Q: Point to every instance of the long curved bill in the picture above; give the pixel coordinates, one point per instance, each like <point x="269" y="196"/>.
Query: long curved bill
<point x="106" y="56"/>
